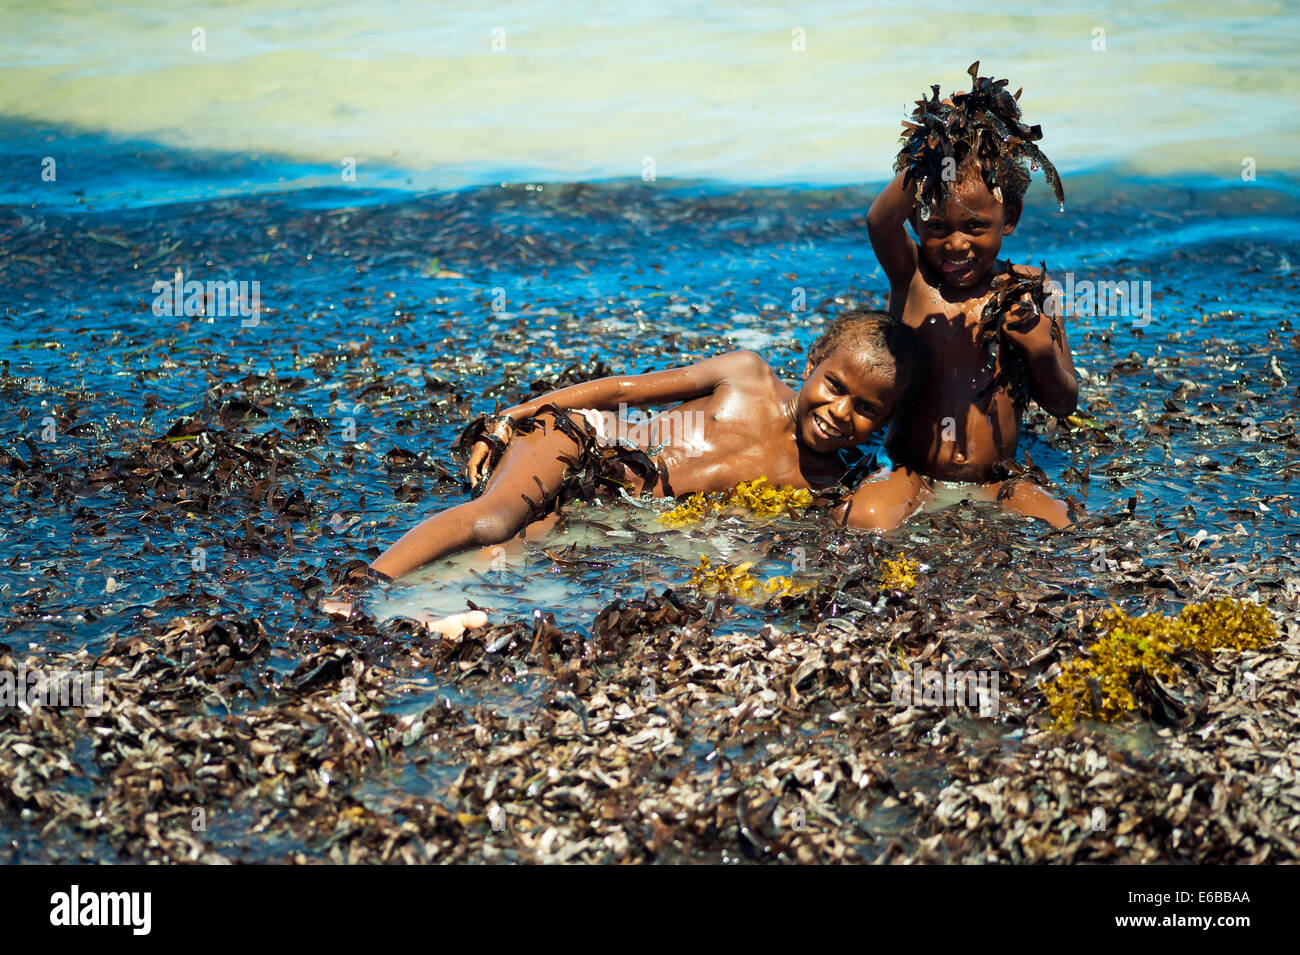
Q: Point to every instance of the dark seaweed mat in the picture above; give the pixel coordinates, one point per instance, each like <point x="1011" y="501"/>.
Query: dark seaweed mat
<point x="669" y="728"/>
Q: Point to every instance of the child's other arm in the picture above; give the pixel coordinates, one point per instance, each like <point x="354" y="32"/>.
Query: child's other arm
<point x="656" y="387"/>
<point x="606" y="394"/>
<point x="887" y="229"/>
<point x="1056" y="384"/>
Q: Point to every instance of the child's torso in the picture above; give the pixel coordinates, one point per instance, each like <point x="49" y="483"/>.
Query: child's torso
<point x="735" y="434"/>
<point x="944" y="429"/>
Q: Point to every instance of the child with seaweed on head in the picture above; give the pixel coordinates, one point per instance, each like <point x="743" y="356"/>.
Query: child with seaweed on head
<point x="750" y="425"/>
<point x="992" y="340"/>
<point x="741" y="423"/>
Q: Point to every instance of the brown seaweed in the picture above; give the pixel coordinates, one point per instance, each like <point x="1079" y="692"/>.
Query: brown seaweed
<point x="982" y="125"/>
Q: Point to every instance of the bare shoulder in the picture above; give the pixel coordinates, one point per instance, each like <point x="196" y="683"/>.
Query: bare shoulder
<point x="912" y="301"/>
<point x="745" y="364"/>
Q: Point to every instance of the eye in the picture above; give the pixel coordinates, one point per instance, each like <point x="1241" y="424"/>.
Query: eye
<point x="834" y="384"/>
<point x="863" y="408"/>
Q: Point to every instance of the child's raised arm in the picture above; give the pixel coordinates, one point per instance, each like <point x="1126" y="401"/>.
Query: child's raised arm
<point x="606" y="394"/>
<point x="887" y="229"/>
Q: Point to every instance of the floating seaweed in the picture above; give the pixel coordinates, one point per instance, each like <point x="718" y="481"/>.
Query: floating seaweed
<point x="899" y="573"/>
<point x="755" y="497"/>
<point x="667" y="726"/>
<point x="737" y="581"/>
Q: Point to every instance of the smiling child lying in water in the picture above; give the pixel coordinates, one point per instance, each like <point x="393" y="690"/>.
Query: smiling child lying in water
<point x="741" y="423"/>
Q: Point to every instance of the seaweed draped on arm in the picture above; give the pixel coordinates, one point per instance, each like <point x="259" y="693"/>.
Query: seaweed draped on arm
<point x="1010" y="290"/>
<point x="591" y="471"/>
<point x="983" y="126"/>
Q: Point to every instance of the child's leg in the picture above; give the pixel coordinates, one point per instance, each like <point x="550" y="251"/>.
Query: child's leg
<point x="882" y="503"/>
<point x="514" y="547"/>
<point x="529" y="474"/>
<point x="1030" y="500"/>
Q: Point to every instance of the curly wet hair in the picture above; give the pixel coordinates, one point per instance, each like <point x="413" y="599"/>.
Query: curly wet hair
<point x="874" y="335"/>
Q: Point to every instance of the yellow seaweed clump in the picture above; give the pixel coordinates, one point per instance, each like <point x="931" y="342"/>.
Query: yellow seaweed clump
<point x="737" y="581"/>
<point x="757" y="497"/>
<point x="693" y="509"/>
<point x="761" y="498"/>
<point x="1098" y="685"/>
<point x="1226" y="624"/>
<point x="899" y="573"/>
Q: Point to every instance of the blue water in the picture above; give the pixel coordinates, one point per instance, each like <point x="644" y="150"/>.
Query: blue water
<point x="438" y="96"/>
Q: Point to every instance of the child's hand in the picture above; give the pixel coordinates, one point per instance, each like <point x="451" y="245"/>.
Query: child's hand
<point x="1028" y="328"/>
<point x="477" y="467"/>
<point x="1027" y="318"/>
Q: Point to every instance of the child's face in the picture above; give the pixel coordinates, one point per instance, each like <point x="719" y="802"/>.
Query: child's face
<point x="962" y="237"/>
<point x="844" y="400"/>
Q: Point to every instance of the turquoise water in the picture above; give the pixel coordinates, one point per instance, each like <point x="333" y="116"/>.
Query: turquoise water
<point x="437" y="96"/>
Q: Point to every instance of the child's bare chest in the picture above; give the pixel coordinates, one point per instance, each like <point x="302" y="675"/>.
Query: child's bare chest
<point x="940" y="318"/>
<point x="948" y="331"/>
<point x="714" y="443"/>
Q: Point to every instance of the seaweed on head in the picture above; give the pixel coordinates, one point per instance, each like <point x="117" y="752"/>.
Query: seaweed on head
<point x="981" y="127"/>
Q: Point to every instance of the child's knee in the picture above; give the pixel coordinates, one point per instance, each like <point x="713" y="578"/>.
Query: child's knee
<point x="1032" y="501"/>
<point x="880" y="513"/>
<point x="884" y="504"/>
<point x="871" y="517"/>
<point x="493" y="525"/>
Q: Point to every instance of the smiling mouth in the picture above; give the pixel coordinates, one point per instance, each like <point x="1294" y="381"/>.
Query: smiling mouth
<point x="957" y="268"/>
<point x="827" y="430"/>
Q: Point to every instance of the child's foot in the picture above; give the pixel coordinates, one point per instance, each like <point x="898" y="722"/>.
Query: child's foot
<point x="336" y="608"/>
<point x="1030" y="500"/>
<point x="455" y="625"/>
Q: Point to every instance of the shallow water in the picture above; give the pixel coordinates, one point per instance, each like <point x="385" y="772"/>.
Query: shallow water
<point x="359" y="331"/>
<point x="636" y="276"/>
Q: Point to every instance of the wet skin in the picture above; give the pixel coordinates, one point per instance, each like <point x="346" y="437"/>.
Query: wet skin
<point x="753" y="425"/>
<point x="938" y="288"/>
